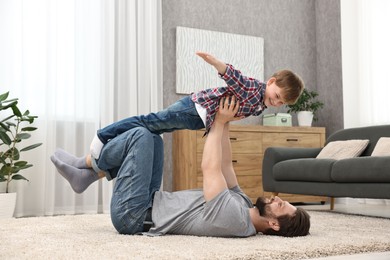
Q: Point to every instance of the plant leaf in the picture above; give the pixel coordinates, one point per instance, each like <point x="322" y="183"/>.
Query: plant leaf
<point x="13" y="151"/>
<point x="20" y="163"/>
<point x="12" y="103"/>
<point x="10" y="124"/>
<point x="30" y="147"/>
<point x="4" y="138"/>
<point x="4" y="96"/>
<point x="2" y="161"/>
<point x="4" y="127"/>
<point x="23" y="136"/>
<point x="18" y="177"/>
<point x="5" y="170"/>
<point x="16" y="111"/>
<point x="30" y="119"/>
<point x="7" y="118"/>
<point x="25" y="166"/>
<point x="29" y="129"/>
<point x="12" y="100"/>
<point x="15" y="169"/>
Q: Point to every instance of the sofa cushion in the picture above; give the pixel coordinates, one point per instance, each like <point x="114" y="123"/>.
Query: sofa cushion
<point x="343" y="149"/>
<point x="308" y="169"/>
<point x="362" y="169"/>
<point x="382" y="147"/>
<point x="373" y="133"/>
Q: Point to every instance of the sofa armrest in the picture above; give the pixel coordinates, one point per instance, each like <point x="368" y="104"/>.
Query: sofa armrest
<point x="273" y="155"/>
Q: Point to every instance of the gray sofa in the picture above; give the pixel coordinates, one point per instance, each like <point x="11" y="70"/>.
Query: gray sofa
<point x="297" y="171"/>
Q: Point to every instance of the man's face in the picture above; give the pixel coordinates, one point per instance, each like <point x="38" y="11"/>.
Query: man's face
<point x="273" y="94"/>
<point x="275" y="207"/>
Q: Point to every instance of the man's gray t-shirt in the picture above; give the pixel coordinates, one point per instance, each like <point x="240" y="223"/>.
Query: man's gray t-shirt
<point x="187" y="213"/>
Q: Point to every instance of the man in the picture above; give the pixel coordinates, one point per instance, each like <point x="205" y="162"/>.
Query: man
<point x="220" y="209"/>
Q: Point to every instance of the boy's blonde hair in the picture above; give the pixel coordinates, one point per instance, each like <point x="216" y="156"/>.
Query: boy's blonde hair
<point x="291" y="84"/>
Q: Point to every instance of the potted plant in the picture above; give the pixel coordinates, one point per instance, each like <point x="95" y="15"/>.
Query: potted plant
<point x="14" y="128"/>
<point x="306" y="107"/>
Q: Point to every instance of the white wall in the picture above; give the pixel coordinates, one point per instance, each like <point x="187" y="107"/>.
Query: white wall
<point x="350" y="68"/>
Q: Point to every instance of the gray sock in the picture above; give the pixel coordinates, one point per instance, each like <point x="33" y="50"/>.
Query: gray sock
<point x="78" y="162"/>
<point x="79" y="179"/>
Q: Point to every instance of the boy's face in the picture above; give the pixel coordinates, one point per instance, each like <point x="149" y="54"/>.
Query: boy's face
<point x="273" y="94"/>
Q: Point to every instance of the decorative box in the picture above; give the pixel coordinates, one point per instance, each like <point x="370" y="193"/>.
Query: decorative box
<point x="277" y="119"/>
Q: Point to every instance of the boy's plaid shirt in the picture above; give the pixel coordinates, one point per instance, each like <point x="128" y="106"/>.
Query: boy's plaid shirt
<point x="249" y="92"/>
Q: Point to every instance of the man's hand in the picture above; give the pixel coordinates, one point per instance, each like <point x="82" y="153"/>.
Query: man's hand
<point x="228" y="108"/>
<point x="219" y="65"/>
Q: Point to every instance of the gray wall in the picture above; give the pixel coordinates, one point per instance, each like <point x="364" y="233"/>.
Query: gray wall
<point x="302" y="35"/>
<point x="329" y="72"/>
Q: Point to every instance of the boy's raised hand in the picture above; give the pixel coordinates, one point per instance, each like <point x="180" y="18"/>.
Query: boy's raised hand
<point x="219" y="65"/>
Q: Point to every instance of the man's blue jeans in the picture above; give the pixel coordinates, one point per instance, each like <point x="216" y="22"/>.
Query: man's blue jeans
<point x="180" y="115"/>
<point x="135" y="158"/>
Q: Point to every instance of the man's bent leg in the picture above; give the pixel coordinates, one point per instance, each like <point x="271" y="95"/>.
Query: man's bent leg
<point x="135" y="153"/>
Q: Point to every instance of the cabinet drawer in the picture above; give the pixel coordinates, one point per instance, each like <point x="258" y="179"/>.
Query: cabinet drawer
<point x="242" y="142"/>
<point x="291" y="140"/>
<point x="243" y="164"/>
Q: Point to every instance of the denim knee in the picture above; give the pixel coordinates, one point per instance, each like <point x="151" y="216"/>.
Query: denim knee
<point x="125" y="223"/>
<point x="141" y="132"/>
<point x="137" y="135"/>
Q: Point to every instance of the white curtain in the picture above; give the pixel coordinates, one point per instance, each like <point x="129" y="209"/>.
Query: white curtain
<point x="78" y="65"/>
<point x="366" y="52"/>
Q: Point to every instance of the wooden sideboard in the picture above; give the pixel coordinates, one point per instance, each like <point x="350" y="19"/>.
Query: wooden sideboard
<point x="248" y="145"/>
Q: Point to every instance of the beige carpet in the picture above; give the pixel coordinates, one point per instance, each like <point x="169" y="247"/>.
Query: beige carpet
<point x="93" y="237"/>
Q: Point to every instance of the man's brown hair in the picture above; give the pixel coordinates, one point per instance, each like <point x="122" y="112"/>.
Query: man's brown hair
<point x="292" y="225"/>
<point x="291" y="84"/>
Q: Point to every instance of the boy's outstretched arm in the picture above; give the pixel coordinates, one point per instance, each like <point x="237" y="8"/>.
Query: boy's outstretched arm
<point x="219" y="65"/>
<point x="241" y="86"/>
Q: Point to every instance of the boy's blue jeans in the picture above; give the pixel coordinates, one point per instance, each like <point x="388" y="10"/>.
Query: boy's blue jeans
<point x="180" y="115"/>
<point x="135" y="158"/>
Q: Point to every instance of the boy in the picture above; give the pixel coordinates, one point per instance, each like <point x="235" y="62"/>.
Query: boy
<point x="198" y="110"/>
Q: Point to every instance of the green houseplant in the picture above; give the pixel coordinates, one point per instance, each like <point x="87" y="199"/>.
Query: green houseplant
<point x="14" y="128"/>
<point x="307" y="103"/>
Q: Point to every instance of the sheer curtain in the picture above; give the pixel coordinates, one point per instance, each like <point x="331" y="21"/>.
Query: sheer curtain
<point x="78" y="65"/>
<point x="366" y="52"/>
